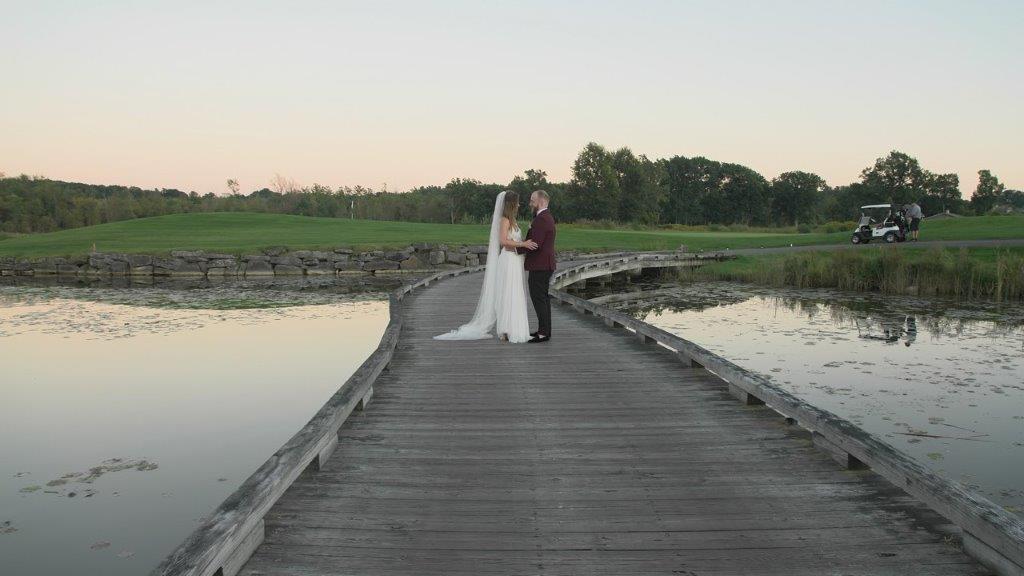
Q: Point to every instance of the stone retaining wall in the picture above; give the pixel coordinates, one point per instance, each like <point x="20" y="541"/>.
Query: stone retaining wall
<point x="269" y="262"/>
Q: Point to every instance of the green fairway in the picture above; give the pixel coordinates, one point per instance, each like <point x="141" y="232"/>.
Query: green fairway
<point x="249" y="232"/>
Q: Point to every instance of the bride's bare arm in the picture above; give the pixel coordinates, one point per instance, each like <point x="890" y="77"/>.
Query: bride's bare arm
<point x="504" y="240"/>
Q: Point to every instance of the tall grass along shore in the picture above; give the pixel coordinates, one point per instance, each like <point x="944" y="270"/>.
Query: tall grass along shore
<point x="994" y="273"/>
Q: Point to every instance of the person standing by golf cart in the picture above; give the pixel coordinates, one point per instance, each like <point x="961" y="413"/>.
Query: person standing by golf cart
<point x="892" y="226"/>
<point x="914" y="214"/>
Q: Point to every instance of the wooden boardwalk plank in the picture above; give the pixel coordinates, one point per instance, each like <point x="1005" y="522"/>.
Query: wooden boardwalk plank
<point x="592" y="454"/>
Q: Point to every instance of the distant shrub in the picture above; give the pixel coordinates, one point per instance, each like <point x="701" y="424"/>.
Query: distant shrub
<point x="834" y="226"/>
<point x="602" y="223"/>
<point x="804" y="229"/>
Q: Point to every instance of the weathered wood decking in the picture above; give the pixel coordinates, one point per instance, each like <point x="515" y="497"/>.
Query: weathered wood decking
<point x="592" y="454"/>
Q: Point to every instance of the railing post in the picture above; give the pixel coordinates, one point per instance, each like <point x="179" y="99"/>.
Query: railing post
<point x="366" y="398"/>
<point x="847" y="460"/>
<point x="743" y="396"/>
<point x="240" y="555"/>
<point x="688" y="360"/>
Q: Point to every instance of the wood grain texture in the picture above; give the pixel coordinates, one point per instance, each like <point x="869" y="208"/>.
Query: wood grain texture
<point x="995" y="536"/>
<point x="224" y="539"/>
<point x="591" y="454"/>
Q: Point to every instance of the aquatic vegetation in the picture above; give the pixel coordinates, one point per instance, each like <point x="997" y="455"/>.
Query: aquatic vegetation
<point x="202" y="294"/>
<point x="936" y="377"/>
<point x="88" y="477"/>
<point x="996" y="274"/>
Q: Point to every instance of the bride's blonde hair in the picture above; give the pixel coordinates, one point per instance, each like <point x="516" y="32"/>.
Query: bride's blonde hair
<point x="511" y="208"/>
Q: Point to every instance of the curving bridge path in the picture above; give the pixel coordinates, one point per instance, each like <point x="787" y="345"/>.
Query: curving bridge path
<point x="610" y="450"/>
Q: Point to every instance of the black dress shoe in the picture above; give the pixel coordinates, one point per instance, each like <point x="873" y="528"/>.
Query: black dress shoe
<point x="538" y="338"/>
<point x="534" y="334"/>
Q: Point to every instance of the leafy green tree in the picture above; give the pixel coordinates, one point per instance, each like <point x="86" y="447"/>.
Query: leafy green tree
<point x="526" y="184"/>
<point x="844" y="202"/>
<point x="796" y="196"/>
<point x="595" y="192"/>
<point x="1014" y="200"/>
<point x="942" y="192"/>
<point x="988" y="192"/>
<point x="639" y="187"/>
<point x="687" y="185"/>
<point x="742" y="196"/>
<point x="897" y="178"/>
<point x="470" y="201"/>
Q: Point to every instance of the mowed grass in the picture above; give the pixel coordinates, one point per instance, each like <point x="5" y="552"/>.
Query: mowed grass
<point x="240" y="233"/>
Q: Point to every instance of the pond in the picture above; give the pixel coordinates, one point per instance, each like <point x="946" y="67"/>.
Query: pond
<point x="940" y="380"/>
<point x="128" y="413"/>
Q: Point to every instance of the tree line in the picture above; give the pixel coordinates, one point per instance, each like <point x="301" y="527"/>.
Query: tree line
<point x="607" y="186"/>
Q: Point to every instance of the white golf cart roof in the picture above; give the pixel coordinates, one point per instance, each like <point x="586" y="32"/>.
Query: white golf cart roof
<point x="876" y="206"/>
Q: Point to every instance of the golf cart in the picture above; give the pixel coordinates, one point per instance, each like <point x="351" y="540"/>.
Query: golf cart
<point x="892" y="228"/>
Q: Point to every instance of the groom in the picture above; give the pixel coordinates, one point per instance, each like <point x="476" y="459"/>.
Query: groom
<point x="540" y="263"/>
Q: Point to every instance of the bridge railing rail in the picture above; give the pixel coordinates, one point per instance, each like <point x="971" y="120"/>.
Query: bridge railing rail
<point x="990" y="533"/>
<point x="226" y="538"/>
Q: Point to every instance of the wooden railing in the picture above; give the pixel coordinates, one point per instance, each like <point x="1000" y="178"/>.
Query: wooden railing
<point x="990" y="534"/>
<point x="224" y="541"/>
<point x="575" y="271"/>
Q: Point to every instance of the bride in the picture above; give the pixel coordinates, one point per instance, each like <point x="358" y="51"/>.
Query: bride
<point x="502" y="302"/>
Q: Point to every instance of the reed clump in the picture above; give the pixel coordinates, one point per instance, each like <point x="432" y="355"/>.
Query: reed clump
<point x="996" y="274"/>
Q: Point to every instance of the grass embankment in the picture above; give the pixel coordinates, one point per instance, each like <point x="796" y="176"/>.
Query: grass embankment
<point x="248" y="232"/>
<point x="240" y="232"/>
<point x="996" y="273"/>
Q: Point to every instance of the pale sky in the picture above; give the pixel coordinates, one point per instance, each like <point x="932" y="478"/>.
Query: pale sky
<point x="187" y="94"/>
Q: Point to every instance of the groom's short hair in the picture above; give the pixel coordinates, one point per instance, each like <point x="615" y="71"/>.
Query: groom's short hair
<point x="542" y="194"/>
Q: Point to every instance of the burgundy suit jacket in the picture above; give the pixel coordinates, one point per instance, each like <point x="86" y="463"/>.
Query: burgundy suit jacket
<point x="542" y="231"/>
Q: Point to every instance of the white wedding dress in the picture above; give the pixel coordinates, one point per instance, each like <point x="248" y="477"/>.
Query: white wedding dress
<point x="502" y="303"/>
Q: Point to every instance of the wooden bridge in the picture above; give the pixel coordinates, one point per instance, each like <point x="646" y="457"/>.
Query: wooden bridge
<point x="615" y="449"/>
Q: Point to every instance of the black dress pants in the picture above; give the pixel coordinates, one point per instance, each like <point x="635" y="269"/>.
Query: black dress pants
<point x="538" y="283"/>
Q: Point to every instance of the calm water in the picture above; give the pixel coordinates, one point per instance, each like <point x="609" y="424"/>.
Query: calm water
<point x="128" y="414"/>
<point x="941" y="381"/>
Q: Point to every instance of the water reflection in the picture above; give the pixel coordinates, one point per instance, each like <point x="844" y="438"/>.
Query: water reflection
<point x="128" y="414"/>
<point x="940" y="380"/>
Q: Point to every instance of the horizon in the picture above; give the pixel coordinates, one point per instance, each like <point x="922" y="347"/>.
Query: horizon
<point x="186" y="96"/>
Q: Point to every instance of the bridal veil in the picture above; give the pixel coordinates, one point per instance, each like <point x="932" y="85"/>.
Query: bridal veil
<point x="484" y="318"/>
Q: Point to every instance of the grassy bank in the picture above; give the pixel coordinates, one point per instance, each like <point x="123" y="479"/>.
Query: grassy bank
<point x="996" y="273"/>
<point x="247" y="232"/>
<point x="240" y="232"/>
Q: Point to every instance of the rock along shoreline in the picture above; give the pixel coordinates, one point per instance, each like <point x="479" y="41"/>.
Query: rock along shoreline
<point x="273" y="261"/>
